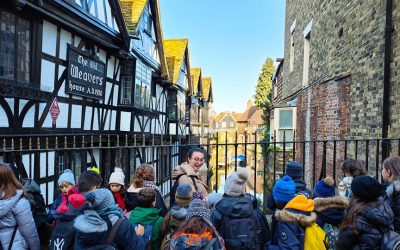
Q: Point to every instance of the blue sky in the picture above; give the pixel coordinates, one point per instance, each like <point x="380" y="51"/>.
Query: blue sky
<point x="229" y="40"/>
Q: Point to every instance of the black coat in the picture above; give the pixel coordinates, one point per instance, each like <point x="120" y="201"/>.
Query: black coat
<point x="369" y="226"/>
<point x="330" y="210"/>
<point x="393" y="200"/>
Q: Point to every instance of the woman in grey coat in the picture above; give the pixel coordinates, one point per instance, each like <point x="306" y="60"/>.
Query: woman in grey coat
<point x="15" y="213"/>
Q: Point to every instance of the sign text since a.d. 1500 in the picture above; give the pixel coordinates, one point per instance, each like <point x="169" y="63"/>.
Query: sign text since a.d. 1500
<point x="86" y="76"/>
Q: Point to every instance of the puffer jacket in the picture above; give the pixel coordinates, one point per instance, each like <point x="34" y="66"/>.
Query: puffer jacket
<point x="291" y="224"/>
<point x="17" y="212"/>
<point x="369" y="226"/>
<point x="57" y="202"/>
<point x="330" y="210"/>
<point x="92" y="233"/>
<point x="393" y="200"/>
<point x="186" y="171"/>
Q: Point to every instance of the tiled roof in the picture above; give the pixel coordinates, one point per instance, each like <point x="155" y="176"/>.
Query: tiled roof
<point x="219" y="116"/>
<point x="247" y="113"/>
<point x="195" y="73"/>
<point x="132" y="11"/>
<point x="174" y="50"/>
<point x="206" y="82"/>
<point x="256" y="118"/>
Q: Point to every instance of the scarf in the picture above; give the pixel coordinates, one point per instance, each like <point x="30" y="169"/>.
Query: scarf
<point x="152" y="184"/>
<point x="119" y="199"/>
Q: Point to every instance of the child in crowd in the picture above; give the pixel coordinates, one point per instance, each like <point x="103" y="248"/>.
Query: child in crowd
<point x="89" y="180"/>
<point x="116" y="185"/>
<point x="144" y="176"/>
<point x="146" y="214"/>
<point x="391" y="175"/>
<point x="66" y="183"/>
<point x="367" y="217"/>
<point x="234" y="216"/>
<point x="351" y="169"/>
<point x="329" y="208"/>
<point x="292" y="222"/>
<point x="294" y="169"/>
<point x="178" y="211"/>
<point x="196" y="232"/>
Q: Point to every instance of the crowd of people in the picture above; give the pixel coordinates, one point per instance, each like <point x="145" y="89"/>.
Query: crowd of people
<point x="358" y="213"/>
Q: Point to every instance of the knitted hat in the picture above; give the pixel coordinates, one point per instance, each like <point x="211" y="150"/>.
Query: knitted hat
<point x="235" y="184"/>
<point x="300" y="202"/>
<point x="325" y="188"/>
<point x="294" y="169"/>
<point x="213" y="198"/>
<point x="183" y="194"/>
<point x="198" y="208"/>
<point x="366" y="188"/>
<point x="117" y="177"/>
<point x="284" y="189"/>
<point x="67" y="176"/>
<point x="100" y="198"/>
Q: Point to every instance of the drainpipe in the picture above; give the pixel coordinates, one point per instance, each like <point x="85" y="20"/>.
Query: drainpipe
<point x="386" y="79"/>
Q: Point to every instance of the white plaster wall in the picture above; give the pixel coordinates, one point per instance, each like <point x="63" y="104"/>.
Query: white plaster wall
<point x="115" y="94"/>
<point x="47" y="76"/>
<point x="46" y="163"/>
<point x="29" y="120"/>
<point x="61" y="92"/>
<point x="76" y="116"/>
<point x="172" y="128"/>
<point x="125" y="121"/>
<point x="65" y="38"/>
<point x="62" y="120"/>
<point x="100" y="10"/>
<point x="102" y="55"/>
<point x="88" y="118"/>
<point x="109" y="16"/>
<point x="49" y="40"/>
<point x="113" y="119"/>
<point x="110" y="67"/>
<point x="137" y="125"/>
<point x="77" y="40"/>
<point x="4" y="119"/>
<point x="108" y="92"/>
<point x="48" y="121"/>
<point x="148" y="124"/>
<point x="29" y="161"/>
<point x="97" y="113"/>
<point x="96" y="155"/>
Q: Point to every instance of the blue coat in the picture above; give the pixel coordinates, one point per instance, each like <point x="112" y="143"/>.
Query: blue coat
<point x="17" y="212"/>
<point x="330" y="210"/>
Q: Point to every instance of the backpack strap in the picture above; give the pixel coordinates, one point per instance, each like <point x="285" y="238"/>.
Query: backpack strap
<point x="210" y="244"/>
<point x="194" y="183"/>
<point x="114" y="229"/>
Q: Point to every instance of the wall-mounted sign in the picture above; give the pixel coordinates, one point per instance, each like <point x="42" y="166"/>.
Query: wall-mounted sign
<point x="86" y="75"/>
<point x="54" y="110"/>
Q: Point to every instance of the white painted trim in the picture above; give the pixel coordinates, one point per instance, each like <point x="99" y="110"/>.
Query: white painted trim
<point x="307" y="30"/>
<point x="293" y="26"/>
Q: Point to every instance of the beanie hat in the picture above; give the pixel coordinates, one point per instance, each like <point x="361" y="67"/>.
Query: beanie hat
<point x="325" y="188"/>
<point x="197" y="195"/>
<point x="117" y="177"/>
<point x="198" y="208"/>
<point x="284" y="189"/>
<point x="213" y="198"/>
<point x="183" y="194"/>
<point x="302" y="203"/>
<point x="67" y="176"/>
<point x="366" y="188"/>
<point x="235" y="184"/>
<point x="94" y="169"/>
<point x="100" y="198"/>
<point x="294" y="169"/>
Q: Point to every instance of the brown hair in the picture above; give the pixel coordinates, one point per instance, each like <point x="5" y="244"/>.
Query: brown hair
<point x="353" y="167"/>
<point x="195" y="225"/>
<point x="393" y="164"/>
<point x="142" y="173"/>
<point x="355" y="209"/>
<point x="146" y="197"/>
<point x="8" y="182"/>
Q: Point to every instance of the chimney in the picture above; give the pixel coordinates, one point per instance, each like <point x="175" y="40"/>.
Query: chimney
<point x="249" y="104"/>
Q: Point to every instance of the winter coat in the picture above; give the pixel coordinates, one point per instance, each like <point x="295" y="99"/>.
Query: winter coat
<point x="301" y="188"/>
<point x="92" y="230"/>
<point x="16" y="212"/>
<point x="369" y="226"/>
<point x="185" y="171"/>
<point x="393" y="200"/>
<point x="146" y="216"/>
<point x="174" y="218"/>
<point x="131" y="200"/>
<point x="330" y="210"/>
<point x="183" y="240"/>
<point x="57" y="202"/>
<point x="290" y="228"/>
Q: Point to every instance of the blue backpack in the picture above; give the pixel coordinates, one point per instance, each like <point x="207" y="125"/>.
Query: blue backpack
<point x="148" y="232"/>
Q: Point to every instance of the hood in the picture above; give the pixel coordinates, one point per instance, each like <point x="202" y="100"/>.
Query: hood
<point x="178" y="212"/>
<point x="321" y="204"/>
<point x="302" y="218"/>
<point x="237" y="207"/>
<point x="30" y="186"/>
<point x="7" y="205"/>
<point x="144" y="215"/>
<point x="332" y="216"/>
<point x="394" y="187"/>
<point x="184" y="168"/>
<point x="380" y="215"/>
<point x="132" y="189"/>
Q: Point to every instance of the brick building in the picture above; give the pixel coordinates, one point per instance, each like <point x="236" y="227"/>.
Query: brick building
<point x="341" y="74"/>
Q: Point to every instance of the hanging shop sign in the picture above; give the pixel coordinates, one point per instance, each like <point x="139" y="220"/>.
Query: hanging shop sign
<point x="86" y="75"/>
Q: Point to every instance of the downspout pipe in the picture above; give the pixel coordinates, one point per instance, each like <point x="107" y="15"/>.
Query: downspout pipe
<point x="386" y="79"/>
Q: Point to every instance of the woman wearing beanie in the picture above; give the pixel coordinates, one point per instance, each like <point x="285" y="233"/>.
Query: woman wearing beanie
<point x="116" y="186"/>
<point x="291" y="224"/>
<point x="367" y="217"/>
<point x="235" y="211"/>
<point x="329" y="208"/>
<point x="93" y="227"/>
<point x="192" y="172"/>
<point x="196" y="232"/>
<point x="144" y="177"/>
<point x="177" y="214"/>
<point x="391" y="175"/>
<point x="17" y="227"/>
<point x="66" y="183"/>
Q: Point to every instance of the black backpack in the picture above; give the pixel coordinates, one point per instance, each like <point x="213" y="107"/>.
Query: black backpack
<point x="239" y="233"/>
<point x="263" y="232"/>
<point x="36" y="200"/>
<point x="175" y="186"/>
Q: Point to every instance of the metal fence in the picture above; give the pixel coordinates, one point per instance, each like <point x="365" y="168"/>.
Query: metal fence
<point x="43" y="157"/>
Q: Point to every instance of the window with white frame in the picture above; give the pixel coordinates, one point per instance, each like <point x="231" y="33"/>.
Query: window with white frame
<point x="306" y="59"/>
<point x="285" y="126"/>
<point x="127" y="73"/>
<point x="224" y="124"/>
<point x="142" y="85"/>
